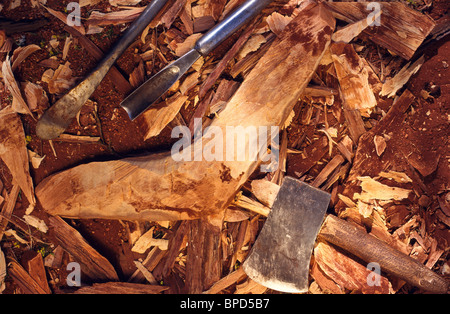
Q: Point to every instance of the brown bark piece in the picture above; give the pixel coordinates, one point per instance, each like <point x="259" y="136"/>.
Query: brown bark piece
<point x="93" y="265"/>
<point x="14" y="153"/>
<point x="204" y="261"/>
<point x="23" y="279"/>
<point x="348" y="273"/>
<point x="35" y="268"/>
<point x="121" y="288"/>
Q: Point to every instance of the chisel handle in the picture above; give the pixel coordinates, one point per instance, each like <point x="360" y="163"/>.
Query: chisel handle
<point x="368" y="248"/>
<point x="229" y="25"/>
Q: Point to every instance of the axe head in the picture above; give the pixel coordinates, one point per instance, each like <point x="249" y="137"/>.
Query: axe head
<point x="281" y="255"/>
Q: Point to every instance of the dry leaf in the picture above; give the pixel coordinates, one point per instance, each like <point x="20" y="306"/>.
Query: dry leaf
<point x="13" y="233"/>
<point x="66" y="48"/>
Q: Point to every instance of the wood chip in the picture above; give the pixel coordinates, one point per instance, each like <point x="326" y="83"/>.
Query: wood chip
<point x="187" y="45"/>
<point x="265" y="191"/>
<point x="14" y="153"/>
<point x="2" y="271"/>
<point x="353" y="79"/>
<point x="35" y="96"/>
<point x="349" y="32"/>
<point x="35" y="268"/>
<point x="93" y="265"/>
<point x="154" y="120"/>
<point x="18" y="104"/>
<point x="278" y="22"/>
<point x="393" y="85"/>
<point x="35" y="222"/>
<point x="60" y="80"/>
<point x="373" y="190"/>
<point x="23" y="279"/>
<point x="21" y="54"/>
<point x="346" y="272"/>
<point x="329" y="168"/>
<point x="146" y="241"/>
<point x="226" y="281"/>
<point x="399" y="177"/>
<point x="380" y="144"/>
<point x="114" y="18"/>
<point x="147" y="274"/>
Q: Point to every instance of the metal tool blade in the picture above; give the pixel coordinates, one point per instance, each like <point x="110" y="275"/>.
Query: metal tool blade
<point x="281" y="256"/>
<point x="58" y="117"/>
<point x="154" y="88"/>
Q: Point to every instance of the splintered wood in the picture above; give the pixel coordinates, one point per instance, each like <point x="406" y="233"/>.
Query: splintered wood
<point x="333" y="77"/>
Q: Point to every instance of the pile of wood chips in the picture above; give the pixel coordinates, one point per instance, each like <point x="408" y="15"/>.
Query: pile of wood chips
<point x="351" y="133"/>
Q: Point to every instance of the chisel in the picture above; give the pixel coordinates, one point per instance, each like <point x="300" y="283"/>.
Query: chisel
<point x="58" y="117"/>
<point x="141" y="99"/>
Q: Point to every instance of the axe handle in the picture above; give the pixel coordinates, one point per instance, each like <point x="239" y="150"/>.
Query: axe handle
<point x="354" y="240"/>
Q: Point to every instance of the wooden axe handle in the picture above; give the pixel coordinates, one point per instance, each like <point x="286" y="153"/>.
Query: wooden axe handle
<point x="356" y="241"/>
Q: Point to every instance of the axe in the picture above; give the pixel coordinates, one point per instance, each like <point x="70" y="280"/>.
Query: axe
<point x="280" y="257"/>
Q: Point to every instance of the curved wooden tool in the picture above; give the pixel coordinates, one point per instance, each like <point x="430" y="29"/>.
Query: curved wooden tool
<point x="156" y="187"/>
<point x="280" y="258"/>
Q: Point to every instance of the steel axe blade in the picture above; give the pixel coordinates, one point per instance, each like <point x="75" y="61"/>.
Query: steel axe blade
<point x="281" y="256"/>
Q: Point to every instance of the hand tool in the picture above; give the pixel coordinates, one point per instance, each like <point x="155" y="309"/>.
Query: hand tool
<point x="280" y="257"/>
<point x="58" y="117"/>
<point x="155" y="87"/>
